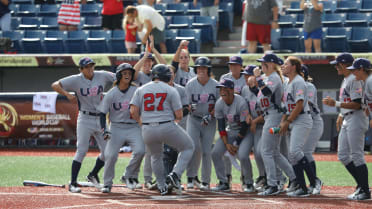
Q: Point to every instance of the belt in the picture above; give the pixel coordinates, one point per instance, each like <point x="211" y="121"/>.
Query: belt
<point x="349" y="113"/>
<point x="126" y="123"/>
<point x="90" y="113"/>
<point x="156" y="123"/>
<point x="303" y="112"/>
<point x="197" y="116"/>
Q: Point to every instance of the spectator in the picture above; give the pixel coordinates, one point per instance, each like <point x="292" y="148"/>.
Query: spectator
<point x="261" y="17"/>
<point x="150" y="3"/>
<point x="208" y="8"/>
<point x="130" y="25"/>
<point x="112" y="14"/>
<point x="181" y="60"/>
<point x="5" y="15"/>
<point x="153" y="23"/>
<point x="69" y="14"/>
<point x="312" y="24"/>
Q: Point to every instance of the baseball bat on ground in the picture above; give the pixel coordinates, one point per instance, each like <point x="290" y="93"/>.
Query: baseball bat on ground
<point x="41" y="184"/>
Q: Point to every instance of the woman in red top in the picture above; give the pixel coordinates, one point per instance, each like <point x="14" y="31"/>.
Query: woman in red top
<point x="112" y="14"/>
<point x="69" y="14"/>
<point x="131" y="25"/>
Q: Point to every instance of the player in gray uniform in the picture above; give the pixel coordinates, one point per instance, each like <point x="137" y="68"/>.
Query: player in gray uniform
<point x="316" y="130"/>
<point x="231" y="111"/>
<point x="181" y="60"/>
<point x="298" y="119"/>
<point x="88" y="87"/>
<point x="361" y="69"/>
<point x="255" y="120"/>
<point x="123" y="129"/>
<point x="354" y="123"/>
<point x="159" y="105"/>
<point x="202" y="95"/>
<point x="270" y="94"/>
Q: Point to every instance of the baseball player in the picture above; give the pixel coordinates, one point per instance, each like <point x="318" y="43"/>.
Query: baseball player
<point x="355" y="122"/>
<point x="159" y="105"/>
<point x="231" y="112"/>
<point x="123" y="128"/>
<point x="300" y="122"/>
<point x="88" y="87"/>
<point x="255" y="120"/>
<point x="202" y="95"/>
<point x="270" y="94"/>
<point x="316" y="130"/>
<point x="181" y="61"/>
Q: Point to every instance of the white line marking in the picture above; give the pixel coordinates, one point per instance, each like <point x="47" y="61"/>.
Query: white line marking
<point x="79" y="206"/>
<point x="121" y="203"/>
<point x="269" y="201"/>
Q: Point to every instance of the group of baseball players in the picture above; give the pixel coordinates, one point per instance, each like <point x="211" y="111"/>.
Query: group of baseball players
<point x="169" y="115"/>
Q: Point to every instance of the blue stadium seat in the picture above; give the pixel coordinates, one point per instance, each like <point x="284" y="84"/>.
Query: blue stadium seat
<point x="299" y="20"/>
<point x="29" y="23"/>
<point x="117" y="42"/>
<point x="32" y="41"/>
<point x="170" y="40"/>
<point x="176" y="9"/>
<point x="16" y="37"/>
<point x="357" y="19"/>
<point x="226" y="15"/>
<point x="22" y="1"/>
<point x="194" y="10"/>
<point x="160" y="8"/>
<point x="348" y="6"/>
<point x="333" y="20"/>
<point x="275" y="42"/>
<point x="329" y="6"/>
<point x="290" y="39"/>
<point x="287" y="21"/>
<point x="294" y="8"/>
<point x="92" y="23"/>
<point x="359" y="39"/>
<point x="49" y="23"/>
<point x="13" y="9"/>
<point x="49" y="10"/>
<point x="97" y="41"/>
<point x="192" y="35"/>
<point x="27" y="10"/>
<point x="90" y="10"/>
<point x="14" y="23"/>
<point x="208" y="26"/>
<point x="336" y="39"/>
<point x="75" y="41"/>
<point x="180" y="22"/>
<point x="54" y="41"/>
<point x="366" y="6"/>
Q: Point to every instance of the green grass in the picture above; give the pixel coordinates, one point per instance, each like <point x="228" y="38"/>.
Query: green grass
<point x="57" y="170"/>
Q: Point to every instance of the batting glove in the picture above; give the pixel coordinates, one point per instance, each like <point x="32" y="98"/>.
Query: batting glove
<point x="106" y="135"/>
<point x="206" y="119"/>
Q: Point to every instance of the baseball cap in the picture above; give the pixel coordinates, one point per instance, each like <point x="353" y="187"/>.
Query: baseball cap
<point x="249" y="70"/>
<point x="85" y="61"/>
<point x="343" y="58"/>
<point x="305" y="70"/>
<point x="149" y="56"/>
<point x="235" y="60"/>
<point x="360" y="63"/>
<point x="228" y="83"/>
<point x="270" y="57"/>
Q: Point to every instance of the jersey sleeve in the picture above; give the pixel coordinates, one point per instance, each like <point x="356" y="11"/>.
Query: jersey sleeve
<point x="136" y="99"/>
<point x="104" y="106"/>
<point x="218" y="111"/>
<point x="299" y="90"/>
<point x="175" y="99"/>
<point x="111" y="77"/>
<point x="311" y="94"/>
<point x="273" y="83"/>
<point x="183" y="96"/>
<point x="356" y="90"/>
<point x="188" y="92"/>
<point x="222" y="77"/>
<point x="243" y="109"/>
<point x="69" y="83"/>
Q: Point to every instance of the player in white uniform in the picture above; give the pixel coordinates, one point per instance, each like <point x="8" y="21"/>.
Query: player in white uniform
<point x="202" y="96"/>
<point x="298" y="119"/>
<point x="316" y="130"/>
<point x="88" y="87"/>
<point x="354" y="122"/>
<point x="159" y="105"/>
<point x="181" y="60"/>
<point x="231" y="111"/>
<point x="361" y="69"/>
<point x="122" y="128"/>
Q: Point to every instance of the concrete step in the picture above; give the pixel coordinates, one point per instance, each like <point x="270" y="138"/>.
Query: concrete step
<point x="235" y="36"/>
<point x="225" y="50"/>
<point x="238" y="29"/>
<point x="229" y="43"/>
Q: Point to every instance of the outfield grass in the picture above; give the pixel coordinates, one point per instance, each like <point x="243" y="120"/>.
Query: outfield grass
<point x="57" y="170"/>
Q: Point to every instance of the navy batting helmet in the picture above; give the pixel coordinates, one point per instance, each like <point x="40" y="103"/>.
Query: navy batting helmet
<point x="203" y="62"/>
<point x="122" y="67"/>
<point x="162" y="72"/>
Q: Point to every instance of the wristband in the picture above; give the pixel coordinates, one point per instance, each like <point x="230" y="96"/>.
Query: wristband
<point x="223" y="133"/>
<point x="338" y="104"/>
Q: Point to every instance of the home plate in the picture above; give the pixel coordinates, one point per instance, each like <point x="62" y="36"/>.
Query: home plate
<point x="169" y="197"/>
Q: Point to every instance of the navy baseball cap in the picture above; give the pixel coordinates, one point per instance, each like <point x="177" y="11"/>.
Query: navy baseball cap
<point x="343" y="58"/>
<point x="305" y="70"/>
<point x="249" y="70"/>
<point x="227" y="83"/>
<point x="148" y="56"/>
<point x="360" y="63"/>
<point x="235" y="60"/>
<point x="270" y="57"/>
<point x="85" y="61"/>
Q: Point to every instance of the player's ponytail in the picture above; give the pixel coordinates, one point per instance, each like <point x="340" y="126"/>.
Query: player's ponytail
<point x="279" y="71"/>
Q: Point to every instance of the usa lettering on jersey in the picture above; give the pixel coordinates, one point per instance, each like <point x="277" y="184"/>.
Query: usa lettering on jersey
<point x="121" y="106"/>
<point x="203" y="98"/>
<point x="91" y="91"/>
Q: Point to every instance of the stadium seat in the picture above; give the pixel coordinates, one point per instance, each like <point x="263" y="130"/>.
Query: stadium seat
<point x="170" y="40"/>
<point x="294" y="8"/>
<point x="180" y="22"/>
<point x="16" y="37"/>
<point x="75" y="41"/>
<point x="90" y="10"/>
<point x="22" y="2"/>
<point x="194" y="10"/>
<point x="226" y="15"/>
<point x="329" y="6"/>
<point x="54" y="41"/>
<point x="333" y="20"/>
<point x="275" y="35"/>
<point x="92" y="23"/>
<point x="27" y="10"/>
<point x="336" y="39"/>
<point x="299" y="20"/>
<point x="13" y="9"/>
<point x="49" y="23"/>
<point x="359" y="39"/>
<point x="287" y="21"/>
<point x="366" y="6"/>
<point x="348" y="6"/>
<point x="290" y="39"/>
<point x="14" y="23"/>
<point x="32" y="41"/>
<point x="97" y="41"/>
<point x="357" y="19"/>
<point x="192" y="35"/>
<point x="117" y="42"/>
<point x="208" y="28"/>
<point x="29" y="23"/>
<point x="160" y="8"/>
<point x="49" y="10"/>
<point x="176" y="9"/>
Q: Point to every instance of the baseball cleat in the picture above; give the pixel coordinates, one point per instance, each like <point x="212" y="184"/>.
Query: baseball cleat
<point x="164" y="190"/>
<point x="281" y="184"/>
<point x="205" y="187"/>
<point x="221" y="187"/>
<point x="94" y="180"/>
<point x="269" y="190"/>
<point x="74" y="188"/>
<point x="318" y="186"/>
<point x="292" y="186"/>
<point x="355" y="192"/>
<point x="300" y="192"/>
<point x="173" y="179"/>
<point x="248" y="188"/>
<point x="260" y="182"/>
<point x="131" y="184"/>
<point x="360" y="195"/>
<point x="193" y="182"/>
<point x="106" y="189"/>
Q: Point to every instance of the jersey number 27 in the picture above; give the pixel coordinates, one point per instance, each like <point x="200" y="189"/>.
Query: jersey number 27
<point x="149" y="100"/>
